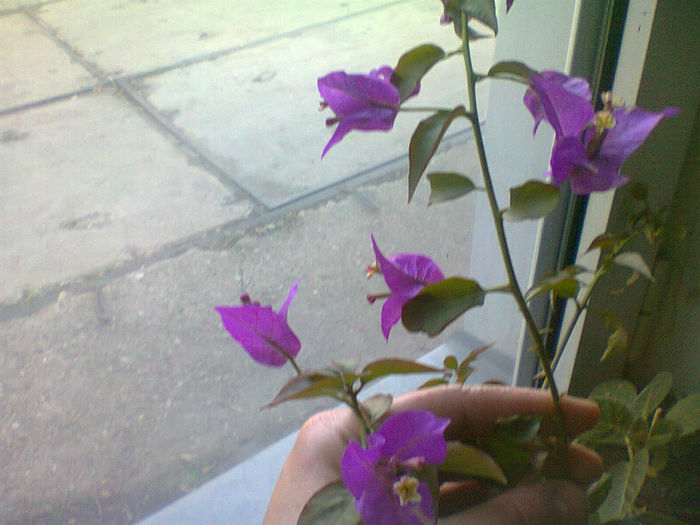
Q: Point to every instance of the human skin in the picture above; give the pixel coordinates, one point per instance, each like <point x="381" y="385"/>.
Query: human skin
<point x="315" y="458"/>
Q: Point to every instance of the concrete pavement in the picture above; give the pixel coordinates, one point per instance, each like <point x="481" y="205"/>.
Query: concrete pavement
<point x="162" y="157"/>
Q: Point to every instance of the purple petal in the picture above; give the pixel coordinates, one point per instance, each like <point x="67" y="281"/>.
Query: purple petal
<point x="509" y="4"/>
<point x="288" y="300"/>
<point x="261" y="332"/>
<point x="567" y="112"/>
<point x="574" y="85"/>
<point x="350" y="94"/>
<point x="407" y="273"/>
<point x="415" y="433"/>
<point x="357" y="466"/>
<point x="605" y="176"/>
<point x="391" y="313"/>
<point x="568" y="155"/>
<point x="631" y="130"/>
<point x="373" y="119"/>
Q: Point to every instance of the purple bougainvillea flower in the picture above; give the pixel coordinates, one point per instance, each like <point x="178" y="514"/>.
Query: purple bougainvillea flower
<point x="571" y="86"/>
<point x="382" y="477"/>
<point x="261" y="331"/>
<point x="405" y="275"/>
<point x="361" y="102"/>
<point x="590" y="147"/>
<point x="593" y="161"/>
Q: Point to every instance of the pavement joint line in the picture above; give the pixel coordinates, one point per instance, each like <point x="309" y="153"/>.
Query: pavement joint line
<point x="212" y="238"/>
<point x="214" y="55"/>
<point x="73" y="53"/>
<point x="154" y="115"/>
<point x="219" y="171"/>
<point x="57" y="98"/>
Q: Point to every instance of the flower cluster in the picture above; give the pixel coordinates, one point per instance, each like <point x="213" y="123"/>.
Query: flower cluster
<point x="590" y="147"/>
<point x="384" y="477"/>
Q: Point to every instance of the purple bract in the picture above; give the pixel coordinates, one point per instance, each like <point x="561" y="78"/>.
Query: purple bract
<point x="261" y="331"/>
<point x="405" y="275"/>
<point x="361" y="102"/>
<point x="590" y="147"/>
<point x="383" y="477"/>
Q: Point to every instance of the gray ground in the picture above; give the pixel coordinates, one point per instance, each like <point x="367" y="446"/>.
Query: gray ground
<point x="160" y="158"/>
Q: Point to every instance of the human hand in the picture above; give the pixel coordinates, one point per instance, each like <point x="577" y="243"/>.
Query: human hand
<point x="315" y="459"/>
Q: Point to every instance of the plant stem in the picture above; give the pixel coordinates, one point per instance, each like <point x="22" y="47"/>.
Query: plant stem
<point x="561" y="434"/>
<point x="351" y="400"/>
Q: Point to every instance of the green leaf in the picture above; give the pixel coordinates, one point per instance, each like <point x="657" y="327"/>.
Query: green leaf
<point x="472" y="462"/>
<point x="612" y="427"/>
<point x="309" y="384"/>
<point x="413" y="65"/>
<point x="620" y="391"/>
<point x="652" y="395"/>
<point x="665" y="430"/>
<point x="434" y="382"/>
<point x="627" y="480"/>
<point x="686" y="413"/>
<point x="331" y="504"/>
<point x="387" y="367"/>
<point x="465" y="370"/>
<point x="450" y="362"/>
<point x="448" y="186"/>
<point x="634" y="261"/>
<point x="599" y="490"/>
<point x="376" y="406"/>
<point x="563" y="284"/>
<point x="512" y="70"/>
<point x="425" y="141"/>
<point x="532" y="200"/>
<point x="604" y="241"/>
<point x="437" y="305"/>
<point x="519" y="429"/>
<point x="482" y="10"/>
<point x="618" y="339"/>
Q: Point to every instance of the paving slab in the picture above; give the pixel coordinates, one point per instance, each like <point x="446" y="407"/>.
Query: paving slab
<point x="119" y="399"/>
<point x="88" y="182"/>
<point x="32" y="67"/>
<point x="154" y="34"/>
<point x="226" y="105"/>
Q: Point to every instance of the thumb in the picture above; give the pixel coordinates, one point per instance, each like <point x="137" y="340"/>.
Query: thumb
<point x="546" y="502"/>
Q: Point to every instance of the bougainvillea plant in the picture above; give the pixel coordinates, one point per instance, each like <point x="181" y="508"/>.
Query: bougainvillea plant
<point x="387" y="473"/>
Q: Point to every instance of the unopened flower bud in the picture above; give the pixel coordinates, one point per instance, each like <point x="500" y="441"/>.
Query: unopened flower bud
<point x="245" y="299"/>
<point x="371" y="298"/>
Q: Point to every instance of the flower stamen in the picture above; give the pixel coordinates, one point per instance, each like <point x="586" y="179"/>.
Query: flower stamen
<point x="406" y="489"/>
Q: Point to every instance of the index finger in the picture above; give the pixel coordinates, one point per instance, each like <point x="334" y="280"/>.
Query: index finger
<point x="474" y="410"/>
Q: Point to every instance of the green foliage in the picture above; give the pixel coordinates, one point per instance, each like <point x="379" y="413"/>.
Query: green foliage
<point x="632" y="424"/>
<point x="627" y="479"/>
<point x="532" y="200"/>
<point x="561" y="284"/>
<point x="437" y="305"/>
<point x="511" y="70"/>
<point x="448" y="186"/>
<point x="634" y="261"/>
<point x="618" y="339"/>
<point x="386" y="367"/>
<point x="686" y="413"/>
<point x="482" y="10"/>
<point x="332" y="504"/>
<point x="425" y="141"/>
<point x="413" y="65"/>
<point x="471" y="462"/>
